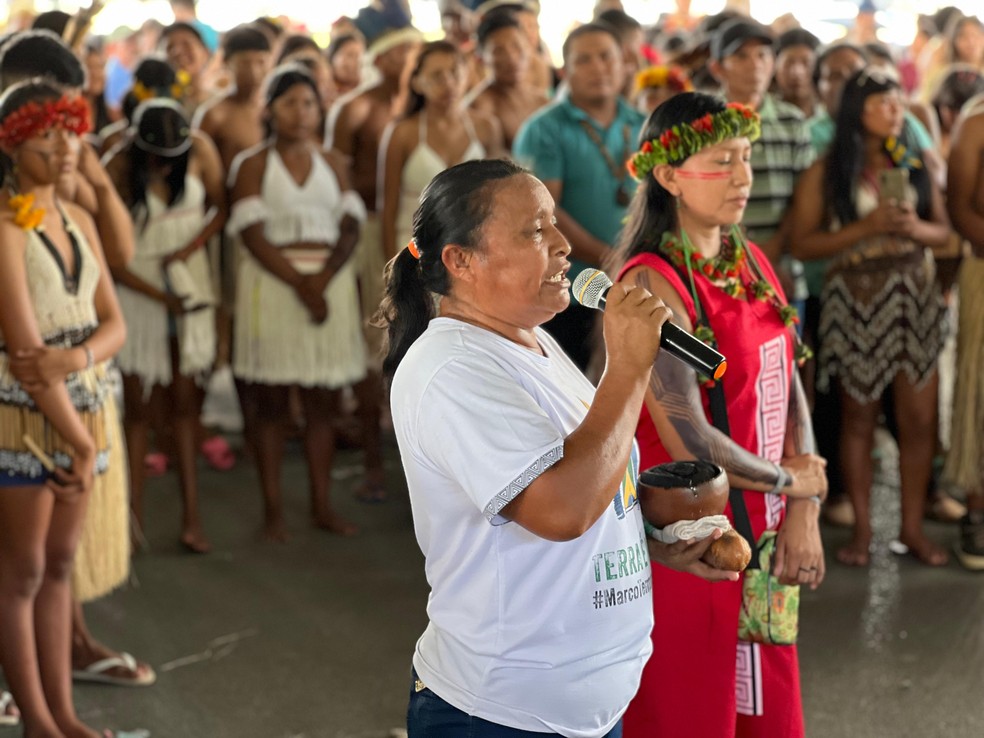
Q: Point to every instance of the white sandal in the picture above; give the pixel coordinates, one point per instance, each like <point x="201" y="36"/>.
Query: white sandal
<point x="6" y="702"/>
<point x="96" y="672"/>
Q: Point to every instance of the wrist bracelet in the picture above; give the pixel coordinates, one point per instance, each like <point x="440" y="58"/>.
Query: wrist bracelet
<point x="782" y="478"/>
<point x="90" y="359"/>
<point x="816" y="500"/>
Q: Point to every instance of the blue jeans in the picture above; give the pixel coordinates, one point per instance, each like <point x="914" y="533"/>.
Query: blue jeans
<point x="428" y="716"/>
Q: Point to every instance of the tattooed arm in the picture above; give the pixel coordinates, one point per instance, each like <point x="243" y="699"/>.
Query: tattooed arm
<point x="799" y="427"/>
<point x="799" y="550"/>
<point x="674" y="403"/>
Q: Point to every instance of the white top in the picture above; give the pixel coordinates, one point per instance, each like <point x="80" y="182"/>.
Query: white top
<point x="291" y="212"/>
<point x="421" y="167"/>
<point x="524" y="632"/>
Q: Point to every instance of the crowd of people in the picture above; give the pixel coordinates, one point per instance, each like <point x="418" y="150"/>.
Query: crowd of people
<point x="388" y="228"/>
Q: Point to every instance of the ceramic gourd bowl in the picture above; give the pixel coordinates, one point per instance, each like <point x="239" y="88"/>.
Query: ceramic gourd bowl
<point x="682" y="490"/>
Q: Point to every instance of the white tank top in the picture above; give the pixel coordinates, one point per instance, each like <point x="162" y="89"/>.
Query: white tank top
<point x="421" y="167"/>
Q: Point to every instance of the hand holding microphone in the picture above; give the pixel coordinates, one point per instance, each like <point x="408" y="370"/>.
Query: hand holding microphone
<point x="593" y="288"/>
<point x="632" y="328"/>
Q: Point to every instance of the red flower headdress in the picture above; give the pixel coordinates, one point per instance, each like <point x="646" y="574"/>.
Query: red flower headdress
<point x="34" y="118"/>
<point x="686" y="139"/>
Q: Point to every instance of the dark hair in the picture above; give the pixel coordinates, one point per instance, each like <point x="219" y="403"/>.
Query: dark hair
<point x="495" y="21"/>
<point x="280" y="80"/>
<point x="586" y="30"/>
<point x="685" y="474"/>
<point x="244" y="38"/>
<point x="55" y="21"/>
<point x="163" y="125"/>
<point x="294" y="43"/>
<point x="15" y="97"/>
<point x="183" y="26"/>
<point x="652" y="211"/>
<point x="943" y="17"/>
<point x="416" y="101"/>
<point x="878" y="50"/>
<point x="620" y="21"/>
<point x="154" y="73"/>
<point x="39" y="54"/>
<point x="828" y="51"/>
<point x="795" y="37"/>
<point x="845" y="159"/>
<point x="340" y="43"/>
<point x="94" y="45"/>
<point x="962" y="82"/>
<point x="270" y="26"/>
<point x="453" y="208"/>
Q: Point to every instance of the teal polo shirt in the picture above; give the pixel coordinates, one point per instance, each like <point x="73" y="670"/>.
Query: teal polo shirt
<point x="822" y="129"/>
<point x="554" y="146"/>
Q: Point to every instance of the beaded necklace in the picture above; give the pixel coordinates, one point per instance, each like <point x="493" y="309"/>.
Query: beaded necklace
<point x="734" y="270"/>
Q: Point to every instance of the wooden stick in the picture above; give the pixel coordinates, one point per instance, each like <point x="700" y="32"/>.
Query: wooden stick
<point x="46" y="461"/>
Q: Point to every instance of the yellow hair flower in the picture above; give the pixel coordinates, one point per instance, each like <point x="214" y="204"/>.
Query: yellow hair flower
<point x="661" y="76"/>
<point x="26" y="216"/>
<point x="141" y="91"/>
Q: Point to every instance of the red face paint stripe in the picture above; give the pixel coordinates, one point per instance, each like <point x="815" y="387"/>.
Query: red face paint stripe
<point x="702" y="175"/>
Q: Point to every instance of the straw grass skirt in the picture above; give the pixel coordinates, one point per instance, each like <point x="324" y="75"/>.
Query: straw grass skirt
<point x="276" y="343"/>
<point x="102" y="561"/>
<point x="964" y="466"/>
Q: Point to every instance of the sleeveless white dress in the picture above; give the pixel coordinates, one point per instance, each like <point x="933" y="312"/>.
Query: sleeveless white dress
<point x="162" y="230"/>
<point x="276" y="342"/>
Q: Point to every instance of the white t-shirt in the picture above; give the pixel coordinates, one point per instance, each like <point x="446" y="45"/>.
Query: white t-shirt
<point x="524" y="632"/>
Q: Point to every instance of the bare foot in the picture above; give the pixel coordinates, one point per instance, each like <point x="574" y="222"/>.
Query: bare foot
<point x="275" y="531"/>
<point x="924" y="550"/>
<point x="194" y="540"/>
<point x="371" y="492"/>
<point x="334" y="523"/>
<point x="856" y="553"/>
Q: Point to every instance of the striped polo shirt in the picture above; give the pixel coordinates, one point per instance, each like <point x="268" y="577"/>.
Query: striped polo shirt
<point x="778" y="157"/>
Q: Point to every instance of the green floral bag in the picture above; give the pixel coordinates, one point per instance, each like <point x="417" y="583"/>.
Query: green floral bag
<point x="769" y="610"/>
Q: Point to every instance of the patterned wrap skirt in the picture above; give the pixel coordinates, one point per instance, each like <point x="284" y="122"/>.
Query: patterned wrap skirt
<point x="881" y="314"/>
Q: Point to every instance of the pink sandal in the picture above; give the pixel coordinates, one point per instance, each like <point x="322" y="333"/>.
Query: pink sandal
<point x="155" y="464"/>
<point x="218" y="453"/>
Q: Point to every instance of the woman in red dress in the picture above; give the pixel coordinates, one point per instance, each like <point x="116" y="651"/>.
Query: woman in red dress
<point x="682" y="243"/>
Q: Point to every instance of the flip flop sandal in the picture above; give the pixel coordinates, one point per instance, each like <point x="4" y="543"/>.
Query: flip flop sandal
<point x="96" y="672"/>
<point x="218" y="453"/>
<point x="6" y="704"/>
<point x="155" y="464"/>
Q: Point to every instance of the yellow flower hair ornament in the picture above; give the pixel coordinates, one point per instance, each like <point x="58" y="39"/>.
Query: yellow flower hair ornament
<point x="26" y="216"/>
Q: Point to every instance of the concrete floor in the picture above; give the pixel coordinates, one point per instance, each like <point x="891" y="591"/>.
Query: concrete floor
<point x="313" y="639"/>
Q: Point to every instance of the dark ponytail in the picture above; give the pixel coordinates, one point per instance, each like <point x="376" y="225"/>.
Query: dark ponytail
<point x="453" y="208"/>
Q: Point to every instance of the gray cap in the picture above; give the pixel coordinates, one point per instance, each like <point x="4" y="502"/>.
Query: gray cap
<point x="730" y="37"/>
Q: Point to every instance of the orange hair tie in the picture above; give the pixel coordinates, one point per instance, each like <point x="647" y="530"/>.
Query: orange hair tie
<point x="412" y="248"/>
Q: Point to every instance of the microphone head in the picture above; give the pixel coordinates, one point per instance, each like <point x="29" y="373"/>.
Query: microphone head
<point x="590" y="287"/>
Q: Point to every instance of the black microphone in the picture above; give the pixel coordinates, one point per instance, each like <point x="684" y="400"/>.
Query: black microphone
<point x="590" y="289"/>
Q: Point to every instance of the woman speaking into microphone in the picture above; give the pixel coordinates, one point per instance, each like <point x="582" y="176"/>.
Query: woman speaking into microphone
<point x="521" y="473"/>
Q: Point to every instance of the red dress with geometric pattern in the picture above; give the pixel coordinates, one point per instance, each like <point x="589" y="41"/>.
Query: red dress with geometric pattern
<point x="700" y="681"/>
